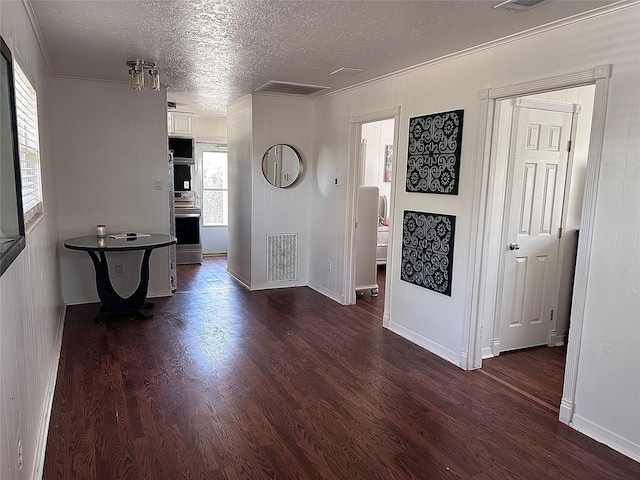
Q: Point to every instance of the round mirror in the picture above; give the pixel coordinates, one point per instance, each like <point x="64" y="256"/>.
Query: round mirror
<point x="282" y="166"/>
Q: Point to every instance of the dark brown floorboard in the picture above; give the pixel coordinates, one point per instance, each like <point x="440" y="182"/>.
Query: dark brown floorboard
<point x="537" y="371"/>
<point x="374" y="305"/>
<point x="287" y="384"/>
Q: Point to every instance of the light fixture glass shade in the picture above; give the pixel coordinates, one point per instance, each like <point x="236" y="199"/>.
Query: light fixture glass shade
<point x="137" y="79"/>
<point x="154" y="80"/>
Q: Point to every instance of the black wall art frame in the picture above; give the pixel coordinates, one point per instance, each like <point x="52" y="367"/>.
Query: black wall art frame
<point x="427" y="250"/>
<point x="433" y="162"/>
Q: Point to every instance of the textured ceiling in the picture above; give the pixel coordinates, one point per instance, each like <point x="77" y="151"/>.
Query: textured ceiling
<point x="212" y="52"/>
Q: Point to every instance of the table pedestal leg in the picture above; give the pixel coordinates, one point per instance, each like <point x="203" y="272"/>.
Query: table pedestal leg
<point x="112" y="303"/>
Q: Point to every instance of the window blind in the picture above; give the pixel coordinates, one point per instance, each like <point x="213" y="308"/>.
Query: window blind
<point x="28" y="144"/>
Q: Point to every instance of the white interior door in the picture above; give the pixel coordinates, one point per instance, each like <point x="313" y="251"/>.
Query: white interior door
<point x="538" y="167"/>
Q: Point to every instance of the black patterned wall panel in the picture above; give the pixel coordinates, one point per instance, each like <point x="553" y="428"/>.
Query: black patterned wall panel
<point x="427" y="250"/>
<point x="433" y="162"/>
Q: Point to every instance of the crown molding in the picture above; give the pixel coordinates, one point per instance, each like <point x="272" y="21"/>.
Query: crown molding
<point x="35" y="26"/>
<point x="579" y="17"/>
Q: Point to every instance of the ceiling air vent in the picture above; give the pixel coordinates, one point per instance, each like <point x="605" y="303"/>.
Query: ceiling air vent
<point x="518" y="5"/>
<point x="288" y="88"/>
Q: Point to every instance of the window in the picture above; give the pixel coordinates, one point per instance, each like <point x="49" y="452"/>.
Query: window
<point x="28" y="144"/>
<point x="215" y="188"/>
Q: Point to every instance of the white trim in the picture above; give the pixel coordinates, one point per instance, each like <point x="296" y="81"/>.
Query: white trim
<point x="375" y="116"/>
<point x="35" y="26"/>
<point x="600" y="76"/>
<point x="487" y="353"/>
<point x="547" y="106"/>
<point x="581" y="277"/>
<point x="395" y="187"/>
<point x="327" y="293"/>
<point x="575" y="79"/>
<point x="435" y="348"/>
<point x="349" y="253"/>
<point x="277" y="284"/>
<point x="45" y="415"/>
<point x="238" y="278"/>
<point x="604" y="10"/>
<point x="30" y="227"/>
<point x="607" y="437"/>
<point x="473" y="305"/>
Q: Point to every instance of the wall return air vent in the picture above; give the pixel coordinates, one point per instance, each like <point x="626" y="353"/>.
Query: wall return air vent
<point x="518" y="5"/>
<point x="289" y="88"/>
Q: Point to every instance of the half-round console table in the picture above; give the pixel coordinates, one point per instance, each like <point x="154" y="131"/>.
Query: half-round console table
<point x="112" y="303"/>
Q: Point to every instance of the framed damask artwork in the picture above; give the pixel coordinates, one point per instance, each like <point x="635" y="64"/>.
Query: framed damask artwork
<point x="427" y="250"/>
<point x="388" y="162"/>
<point x="433" y="161"/>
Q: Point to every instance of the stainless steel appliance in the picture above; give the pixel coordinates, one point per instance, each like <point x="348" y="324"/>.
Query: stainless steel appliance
<point x="187" y="221"/>
<point x="172" y="229"/>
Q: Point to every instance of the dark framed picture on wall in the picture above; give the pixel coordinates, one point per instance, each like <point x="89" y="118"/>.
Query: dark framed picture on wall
<point x="427" y="250"/>
<point x="433" y="161"/>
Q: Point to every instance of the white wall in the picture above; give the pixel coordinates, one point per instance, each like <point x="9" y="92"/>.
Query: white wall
<point x="210" y="129"/>
<point x="280" y="210"/>
<point x="111" y="144"/>
<point x="240" y="154"/>
<point x="609" y="374"/>
<point x="31" y="308"/>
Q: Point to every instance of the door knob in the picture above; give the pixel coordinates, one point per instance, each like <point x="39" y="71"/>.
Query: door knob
<point x="514" y="246"/>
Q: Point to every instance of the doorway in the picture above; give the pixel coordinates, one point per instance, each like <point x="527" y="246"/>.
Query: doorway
<point x="542" y="144"/>
<point x="373" y="139"/>
<point x="212" y="185"/>
<point x="373" y="213"/>
<point x="556" y="215"/>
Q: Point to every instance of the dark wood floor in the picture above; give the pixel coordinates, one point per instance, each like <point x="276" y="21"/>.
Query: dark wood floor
<point x="286" y="384"/>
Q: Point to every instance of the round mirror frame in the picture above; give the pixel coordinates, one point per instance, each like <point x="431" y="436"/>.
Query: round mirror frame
<point x="300" y="165"/>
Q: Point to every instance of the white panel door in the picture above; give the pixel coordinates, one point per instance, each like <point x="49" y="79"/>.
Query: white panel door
<point x="538" y="166"/>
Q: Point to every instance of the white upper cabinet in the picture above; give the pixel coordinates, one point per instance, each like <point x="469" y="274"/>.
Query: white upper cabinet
<point x="180" y="124"/>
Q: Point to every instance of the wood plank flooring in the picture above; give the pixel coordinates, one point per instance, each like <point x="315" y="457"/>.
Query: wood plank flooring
<point x="223" y="383"/>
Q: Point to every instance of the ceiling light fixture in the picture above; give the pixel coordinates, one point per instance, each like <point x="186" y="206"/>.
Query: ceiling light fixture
<point x="137" y="71"/>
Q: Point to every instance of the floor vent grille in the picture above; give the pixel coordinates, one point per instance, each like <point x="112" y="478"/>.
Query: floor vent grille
<point x="282" y="257"/>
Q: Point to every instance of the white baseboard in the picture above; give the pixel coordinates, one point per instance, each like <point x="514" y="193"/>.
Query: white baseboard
<point x="327" y="293"/>
<point x="437" y="349"/>
<point x="566" y="411"/>
<point x="239" y="279"/>
<point x="386" y="320"/>
<point x="602" y="435"/>
<point x="45" y="414"/>
<point x="273" y="285"/>
<point x="487" y="352"/>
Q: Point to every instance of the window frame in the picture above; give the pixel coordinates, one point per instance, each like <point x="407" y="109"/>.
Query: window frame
<point x="202" y="148"/>
<point x="28" y="144"/>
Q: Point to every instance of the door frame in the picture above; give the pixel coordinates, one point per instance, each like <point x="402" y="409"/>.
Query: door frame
<point x="517" y="104"/>
<point x="483" y="305"/>
<point x="219" y="231"/>
<point x="353" y="176"/>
